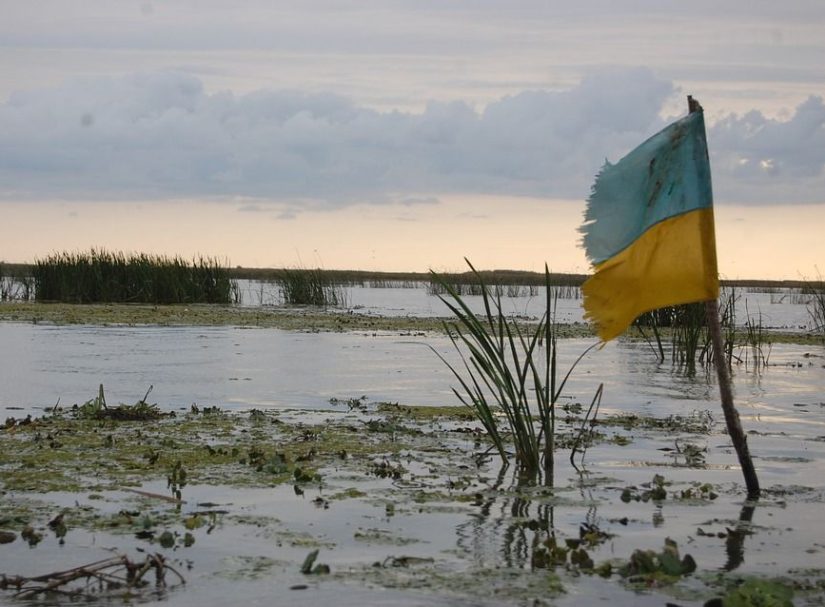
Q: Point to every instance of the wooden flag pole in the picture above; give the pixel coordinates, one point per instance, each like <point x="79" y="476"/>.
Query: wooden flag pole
<point x="737" y="435"/>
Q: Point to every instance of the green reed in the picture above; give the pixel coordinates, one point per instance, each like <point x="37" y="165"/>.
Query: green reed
<point x="5" y="285"/>
<point x="509" y="371"/>
<point x="504" y="283"/>
<point x="311" y="287"/>
<point x="686" y="325"/>
<point x="757" y="339"/>
<point x="104" y="276"/>
<point x="815" y="291"/>
<point x="15" y="283"/>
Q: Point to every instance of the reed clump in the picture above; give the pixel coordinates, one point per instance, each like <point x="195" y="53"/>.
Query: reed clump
<point x="687" y="326"/>
<point x="439" y="286"/>
<point x="101" y="276"/>
<point x="757" y="340"/>
<point x="15" y="283"/>
<point x="687" y="329"/>
<point x="510" y="375"/>
<point x="459" y="284"/>
<point x="311" y="287"/>
<point x="815" y="290"/>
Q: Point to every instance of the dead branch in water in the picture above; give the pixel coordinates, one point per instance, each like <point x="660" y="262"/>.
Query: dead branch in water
<point x="115" y="575"/>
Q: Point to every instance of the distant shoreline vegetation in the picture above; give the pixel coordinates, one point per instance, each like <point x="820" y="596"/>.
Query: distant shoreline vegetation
<point x="101" y="276"/>
<point x="490" y="277"/>
<point x="373" y="278"/>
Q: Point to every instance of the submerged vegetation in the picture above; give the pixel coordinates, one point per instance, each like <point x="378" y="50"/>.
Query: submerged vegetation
<point x="380" y="475"/>
<point x="104" y="276"/>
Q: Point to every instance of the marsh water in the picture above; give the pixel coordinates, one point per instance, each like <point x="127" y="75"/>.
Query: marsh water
<point x="774" y="308"/>
<point x="306" y="376"/>
<point x="243" y="368"/>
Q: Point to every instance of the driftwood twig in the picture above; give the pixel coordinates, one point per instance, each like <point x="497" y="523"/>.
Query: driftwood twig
<point x="112" y="575"/>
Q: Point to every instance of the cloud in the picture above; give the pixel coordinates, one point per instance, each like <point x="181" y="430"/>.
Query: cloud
<point x="250" y="208"/>
<point x="161" y="135"/>
<point x="757" y="159"/>
<point x="418" y="200"/>
<point x="385" y="26"/>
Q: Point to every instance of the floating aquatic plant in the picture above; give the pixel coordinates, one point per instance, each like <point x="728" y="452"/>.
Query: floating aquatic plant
<point x="96" y="408"/>
<point x="649" y="568"/>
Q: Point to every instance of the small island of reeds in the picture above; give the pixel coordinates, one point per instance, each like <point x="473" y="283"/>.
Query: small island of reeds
<point x="101" y="276"/>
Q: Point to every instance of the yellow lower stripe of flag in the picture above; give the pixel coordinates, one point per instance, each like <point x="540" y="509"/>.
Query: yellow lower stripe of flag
<point x="671" y="263"/>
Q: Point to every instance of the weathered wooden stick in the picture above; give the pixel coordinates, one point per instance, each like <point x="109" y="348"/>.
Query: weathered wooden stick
<point x="106" y="571"/>
<point x="737" y="435"/>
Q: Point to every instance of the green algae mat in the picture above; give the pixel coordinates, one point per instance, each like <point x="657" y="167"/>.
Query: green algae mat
<point x="375" y="503"/>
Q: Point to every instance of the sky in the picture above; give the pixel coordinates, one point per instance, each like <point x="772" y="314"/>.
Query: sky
<point x="398" y="135"/>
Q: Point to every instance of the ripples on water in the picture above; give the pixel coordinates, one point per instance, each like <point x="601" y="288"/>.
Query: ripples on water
<point x="243" y="368"/>
<point x="239" y="368"/>
<point x="784" y="309"/>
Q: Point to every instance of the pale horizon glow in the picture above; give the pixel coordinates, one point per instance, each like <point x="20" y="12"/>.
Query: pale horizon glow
<point x="408" y="239"/>
<point x="393" y="135"/>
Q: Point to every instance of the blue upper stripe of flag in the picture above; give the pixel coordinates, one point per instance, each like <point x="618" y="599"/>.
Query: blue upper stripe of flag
<point x="666" y="176"/>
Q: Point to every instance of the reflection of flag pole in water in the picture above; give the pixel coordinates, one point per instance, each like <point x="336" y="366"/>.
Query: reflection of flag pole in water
<point x="649" y="232"/>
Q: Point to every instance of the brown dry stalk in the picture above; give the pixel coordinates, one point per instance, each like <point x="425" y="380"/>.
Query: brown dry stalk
<point x="117" y="572"/>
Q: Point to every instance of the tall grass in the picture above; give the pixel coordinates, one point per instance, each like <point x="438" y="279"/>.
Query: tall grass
<point x="5" y="285"/>
<point x="441" y="285"/>
<point x="311" y="287"/>
<point x="816" y="305"/>
<point x="460" y="284"/>
<point x="382" y="283"/>
<point x="691" y="339"/>
<point x="686" y="325"/>
<point x="15" y="283"/>
<point x="756" y="340"/>
<point x="104" y="276"/>
<point x="509" y="371"/>
<point x="728" y="323"/>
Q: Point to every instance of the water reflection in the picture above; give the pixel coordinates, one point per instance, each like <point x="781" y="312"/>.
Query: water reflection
<point x="518" y="525"/>
<point x="503" y="526"/>
<point x="514" y="523"/>
<point x="225" y="366"/>
<point x="244" y="368"/>
<point x="735" y="541"/>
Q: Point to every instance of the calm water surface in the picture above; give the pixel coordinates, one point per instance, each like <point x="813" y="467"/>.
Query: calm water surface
<point x="237" y="368"/>
<point x="785" y="309"/>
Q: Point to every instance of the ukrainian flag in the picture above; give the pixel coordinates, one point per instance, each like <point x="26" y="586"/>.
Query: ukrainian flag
<point x="649" y="229"/>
